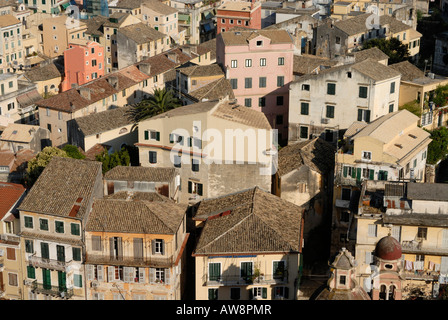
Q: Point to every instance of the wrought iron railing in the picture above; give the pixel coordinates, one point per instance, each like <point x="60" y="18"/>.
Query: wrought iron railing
<point x="59" y="291"/>
<point x="226" y="280"/>
<point x="40" y="262"/>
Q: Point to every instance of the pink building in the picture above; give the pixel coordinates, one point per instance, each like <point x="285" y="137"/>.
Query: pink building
<point x="245" y="14"/>
<point x="259" y="66"/>
<point x="83" y="62"/>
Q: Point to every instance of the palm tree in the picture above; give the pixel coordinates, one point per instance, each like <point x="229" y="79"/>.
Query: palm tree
<point x="159" y="102"/>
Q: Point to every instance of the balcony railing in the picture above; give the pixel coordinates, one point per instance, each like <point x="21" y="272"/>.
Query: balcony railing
<point x="48" y="263"/>
<point x="419" y="246"/>
<point x="153" y="261"/>
<point x="229" y="280"/>
<point x="59" y="291"/>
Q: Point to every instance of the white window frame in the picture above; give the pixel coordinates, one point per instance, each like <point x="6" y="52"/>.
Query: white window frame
<point x="364" y="153"/>
<point x="234" y="63"/>
<point x="248" y="63"/>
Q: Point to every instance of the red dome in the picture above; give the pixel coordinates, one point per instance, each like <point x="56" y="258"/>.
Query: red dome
<point x="388" y="248"/>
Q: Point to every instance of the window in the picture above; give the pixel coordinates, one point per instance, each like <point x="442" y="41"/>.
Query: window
<point x="195" y="188"/>
<point x="60" y="253"/>
<point x="29" y="246"/>
<point x="346" y="194"/>
<point x="213" y="294"/>
<point x="262" y="82"/>
<point x="281" y="292"/>
<point x="28" y="222"/>
<point x="303" y="132"/>
<point x="246" y="270"/>
<point x="247" y="83"/>
<point x="279" y="100"/>
<point x="304" y="108"/>
<point x="96" y="243"/>
<point x="382" y="175"/>
<point x="234" y="63"/>
<point x="234" y="83"/>
<point x="59" y="226"/>
<point x="248" y="102"/>
<point x="77" y="280"/>
<point x="363" y="92"/>
<point x="75" y="229"/>
<point x="263" y="62"/>
<point x="422" y="233"/>
<point x="259" y="292"/>
<point x="152" y="135"/>
<point x="331" y="88"/>
<point x="248" y="63"/>
<point x="278" y="269"/>
<point x="342" y="280"/>
<point x="345" y="216"/>
<point x="305" y="87"/>
<point x="76" y="252"/>
<point x="30" y="272"/>
<point x="259" y="43"/>
<point x="338" y="40"/>
<point x="279" y="119"/>
<point x="235" y="293"/>
<point x="158" y="246"/>
<point x="280" y="81"/>
<point x="391" y="108"/>
<point x="392" y="87"/>
<point x="44" y="250"/>
<point x="262" y="102"/>
<point x="214" y="271"/>
<point x="281" y="61"/>
<point x="364" y="115"/>
<point x="366" y="155"/>
<point x="12" y="279"/>
<point x="177" y="161"/>
<point x="43" y="224"/>
<point x="152" y="157"/>
<point x="195" y="165"/>
<point x="330" y="112"/>
<point x="372" y="230"/>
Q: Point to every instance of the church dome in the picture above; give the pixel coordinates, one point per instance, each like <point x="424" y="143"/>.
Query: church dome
<point x="388" y="248"/>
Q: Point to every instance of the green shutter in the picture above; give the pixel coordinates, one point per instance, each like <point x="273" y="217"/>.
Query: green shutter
<point x="146" y="134"/>
<point x="214" y="270"/>
<point x="345" y="171"/>
<point x="31" y="272"/>
<point x="359" y="114"/>
<point x="358" y="174"/>
<point x="200" y="189"/>
<point x="76" y="254"/>
<point x="62" y="279"/>
<point x="46" y="277"/>
<point x="190" y="187"/>
<point x="264" y="293"/>
<point x="171" y="138"/>
<point x="353" y="173"/>
<point x="371" y="174"/>
<point x="44" y="250"/>
<point x="158" y="136"/>
<point x="367" y="115"/>
<point x="75" y="229"/>
<point x="385" y="175"/>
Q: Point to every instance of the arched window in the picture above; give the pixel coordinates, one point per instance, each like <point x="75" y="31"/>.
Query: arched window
<point x="382" y="292"/>
<point x="392" y="292"/>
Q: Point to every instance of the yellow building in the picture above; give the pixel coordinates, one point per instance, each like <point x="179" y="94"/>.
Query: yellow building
<point x="415" y="215"/>
<point x="52" y="220"/>
<point x="249" y="247"/>
<point x="391" y="148"/>
<point x="136" y="249"/>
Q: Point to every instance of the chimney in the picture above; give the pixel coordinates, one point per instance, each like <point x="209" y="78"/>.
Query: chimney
<point x="84" y="92"/>
<point x="113" y="81"/>
<point x="189" y="50"/>
<point x="145" y="68"/>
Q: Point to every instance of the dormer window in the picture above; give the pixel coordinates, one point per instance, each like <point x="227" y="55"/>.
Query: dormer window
<point x="366" y="155"/>
<point x="259" y="43"/>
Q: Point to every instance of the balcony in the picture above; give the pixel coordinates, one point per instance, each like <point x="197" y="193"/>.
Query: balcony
<point x="231" y="280"/>
<point x="158" y="261"/>
<point x="58" y="291"/>
<point x="52" y="264"/>
<point x="419" y="247"/>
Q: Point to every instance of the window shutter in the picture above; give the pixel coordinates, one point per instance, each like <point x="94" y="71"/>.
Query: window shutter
<point x="371" y="174"/>
<point x="162" y="247"/>
<point x="111" y="247"/>
<point x="171" y="138"/>
<point x="146" y="135"/>
<point x="141" y="275"/>
<point x="126" y="274"/>
<point x="345" y="171"/>
<point x="353" y="172"/>
<point x="158" y="136"/>
<point x="89" y="272"/>
<point x="153" y="246"/>
<point x="111" y="274"/>
<point x="358" y="173"/>
<point x="151" y="275"/>
<point x="251" y="294"/>
<point x="367" y="115"/>
<point x="200" y="189"/>
<point x="190" y="187"/>
<point x="100" y="273"/>
<point x="359" y="115"/>
<point x="120" y="249"/>
<point x="264" y="293"/>
<point x="138" y="248"/>
<point x="167" y="276"/>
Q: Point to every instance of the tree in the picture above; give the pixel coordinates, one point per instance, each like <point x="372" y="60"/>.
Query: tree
<point x="118" y="158"/>
<point x="437" y="149"/>
<point x="73" y="152"/>
<point x="393" y="47"/>
<point x="39" y="162"/>
<point x="160" y="101"/>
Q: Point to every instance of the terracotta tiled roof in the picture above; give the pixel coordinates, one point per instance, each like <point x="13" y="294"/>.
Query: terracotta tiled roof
<point x="202" y="71"/>
<point x="103" y="121"/>
<point x="19" y="132"/>
<point x="159" y="6"/>
<point x="137" y="196"/>
<point x="408" y="71"/>
<point x="111" y="215"/>
<point x="307" y="63"/>
<point x="141" y="33"/>
<point x="156" y="174"/>
<point x="46" y="72"/>
<point x="372" y="53"/>
<point x="316" y="154"/>
<point x="236" y="222"/>
<point x="8" y="20"/>
<point x="240" y="114"/>
<point x="213" y="91"/>
<point x="63" y="183"/>
<point x="10" y="193"/>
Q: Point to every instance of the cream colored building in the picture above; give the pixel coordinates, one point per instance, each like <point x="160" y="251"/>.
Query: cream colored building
<point x="219" y="147"/>
<point x="233" y="261"/>
<point x="48" y="79"/>
<point x="415" y="215"/>
<point x="162" y="18"/>
<point x="391" y="148"/>
<point x="11" y="44"/>
<point x="52" y="227"/>
<point x="320" y="105"/>
<point x="57" y="33"/>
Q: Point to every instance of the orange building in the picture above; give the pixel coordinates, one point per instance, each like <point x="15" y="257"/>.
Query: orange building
<point x="245" y="14"/>
<point x="83" y="62"/>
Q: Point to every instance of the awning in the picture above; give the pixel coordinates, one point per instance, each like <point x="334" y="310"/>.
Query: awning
<point x="65" y="5"/>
